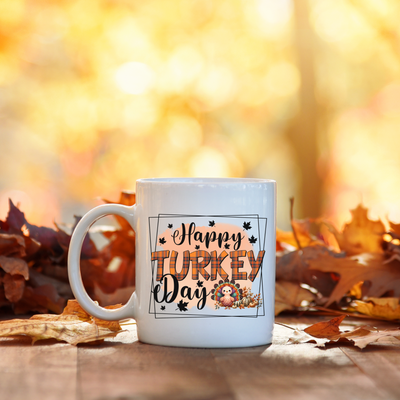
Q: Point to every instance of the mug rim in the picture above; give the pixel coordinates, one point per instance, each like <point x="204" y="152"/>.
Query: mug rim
<point x="204" y="181"/>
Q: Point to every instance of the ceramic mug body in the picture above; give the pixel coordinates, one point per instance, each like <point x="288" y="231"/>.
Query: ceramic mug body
<point x="205" y="261"/>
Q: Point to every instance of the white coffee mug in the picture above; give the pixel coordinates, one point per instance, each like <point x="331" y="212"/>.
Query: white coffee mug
<point x="205" y="261"/>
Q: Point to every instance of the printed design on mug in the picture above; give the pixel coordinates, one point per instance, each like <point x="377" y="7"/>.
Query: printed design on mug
<point x="228" y="294"/>
<point x="207" y="266"/>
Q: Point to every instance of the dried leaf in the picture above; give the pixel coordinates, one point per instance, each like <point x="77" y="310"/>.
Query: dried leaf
<point x="47" y="237"/>
<point x="329" y="332"/>
<point x="395" y="228"/>
<point x="327" y="329"/>
<point x="32" y="246"/>
<point x="15" y="219"/>
<point x="40" y="299"/>
<point x="74" y="308"/>
<point x="14" y="286"/>
<point x="14" y="266"/>
<point x="3" y="299"/>
<point x="387" y="307"/>
<point x="361" y="235"/>
<point x="295" y="267"/>
<point x="299" y="337"/>
<point x="73" y="326"/>
<point x="12" y="245"/>
<point x="363" y="336"/>
<point x="62" y="287"/>
<point x="382" y="277"/>
<point x="290" y="295"/>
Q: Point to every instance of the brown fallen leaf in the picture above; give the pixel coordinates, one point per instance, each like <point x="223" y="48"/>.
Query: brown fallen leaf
<point x="329" y="332"/>
<point x="300" y="337"/>
<point x="371" y="267"/>
<point x="40" y="299"/>
<point x="360" y="235"/>
<point x="290" y="295"/>
<point x="385" y="307"/>
<point x="295" y="267"/>
<point x="12" y="245"/>
<point x="395" y="228"/>
<point x="326" y="329"/>
<point x="73" y="326"/>
<point x="14" y="286"/>
<point x="14" y="266"/>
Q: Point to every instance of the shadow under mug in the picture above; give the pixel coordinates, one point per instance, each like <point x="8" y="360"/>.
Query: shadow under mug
<point x="205" y="261"/>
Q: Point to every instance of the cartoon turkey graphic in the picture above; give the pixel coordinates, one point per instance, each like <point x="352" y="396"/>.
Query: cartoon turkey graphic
<point x="227" y="300"/>
<point x="226" y="293"/>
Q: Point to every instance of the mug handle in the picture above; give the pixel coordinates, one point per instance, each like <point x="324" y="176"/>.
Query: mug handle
<point x="74" y="271"/>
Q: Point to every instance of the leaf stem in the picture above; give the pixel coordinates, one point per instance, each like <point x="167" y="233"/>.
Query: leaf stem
<point x="285" y="326"/>
<point x="292" y="224"/>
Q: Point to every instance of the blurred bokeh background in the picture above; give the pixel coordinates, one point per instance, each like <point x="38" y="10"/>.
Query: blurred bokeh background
<point x="95" y="94"/>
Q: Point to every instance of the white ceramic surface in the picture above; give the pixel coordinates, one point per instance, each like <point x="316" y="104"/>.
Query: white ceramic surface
<point x="220" y="224"/>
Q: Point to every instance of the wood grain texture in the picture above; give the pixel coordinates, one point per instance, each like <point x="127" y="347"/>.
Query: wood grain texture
<point x="144" y="371"/>
<point x="301" y="371"/>
<point x="381" y="364"/>
<point x="123" y="368"/>
<point x="46" y="371"/>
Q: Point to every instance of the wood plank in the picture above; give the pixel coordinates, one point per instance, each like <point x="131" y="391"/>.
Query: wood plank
<point x="40" y="371"/>
<point x="138" y="370"/>
<point x="125" y="368"/>
<point x="381" y="364"/>
<point x="301" y="371"/>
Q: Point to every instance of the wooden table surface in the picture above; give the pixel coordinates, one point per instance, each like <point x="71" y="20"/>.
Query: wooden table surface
<point x="125" y="369"/>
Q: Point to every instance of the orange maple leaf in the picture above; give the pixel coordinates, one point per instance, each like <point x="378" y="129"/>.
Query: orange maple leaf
<point x="360" y="235"/>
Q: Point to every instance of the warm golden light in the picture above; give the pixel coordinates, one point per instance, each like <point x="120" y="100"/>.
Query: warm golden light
<point x="283" y="79"/>
<point x="134" y="77"/>
<point x="96" y="94"/>
<point x="208" y="162"/>
<point x="275" y="12"/>
<point x="185" y="132"/>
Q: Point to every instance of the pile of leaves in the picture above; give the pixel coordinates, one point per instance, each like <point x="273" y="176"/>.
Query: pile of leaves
<point x="354" y="271"/>
<point x="33" y="264"/>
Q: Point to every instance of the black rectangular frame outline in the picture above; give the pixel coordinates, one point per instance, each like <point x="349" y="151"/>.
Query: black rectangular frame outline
<point x="174" y="315"/>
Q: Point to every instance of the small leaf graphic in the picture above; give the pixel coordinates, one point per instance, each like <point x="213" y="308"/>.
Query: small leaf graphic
<point x="162" y="308"/>
<point x="252" y="240"/>
<point x="247" y="225"/>
<point x="170" y="226"/>
<point x="162" y="240"/>
<point x="211" y="223"/>
<point x="183" y="306"/>
<point x="199" y="284"/>
<point x="197" y="247"/>
<point x="227" y="245"/>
